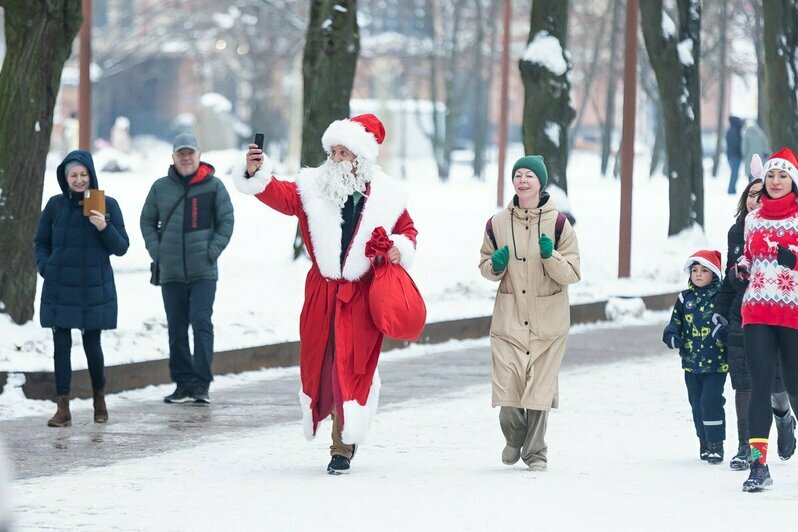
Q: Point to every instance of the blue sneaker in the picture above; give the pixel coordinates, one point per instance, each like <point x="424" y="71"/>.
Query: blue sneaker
<point x="758" y="479"/>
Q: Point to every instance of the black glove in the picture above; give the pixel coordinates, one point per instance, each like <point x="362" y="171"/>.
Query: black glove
<point x="671" y="337"/>
<point x="720" y="328"/>
<point x="738" y="279"/>
<point x="786" y="258"/>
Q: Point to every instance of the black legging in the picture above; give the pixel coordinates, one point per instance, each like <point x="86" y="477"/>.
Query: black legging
<point x="62" y="340"/>
<point x="764" y="344"/>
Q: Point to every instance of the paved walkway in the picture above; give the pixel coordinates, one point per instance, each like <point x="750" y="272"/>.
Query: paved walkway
<point x="37" y="450"/>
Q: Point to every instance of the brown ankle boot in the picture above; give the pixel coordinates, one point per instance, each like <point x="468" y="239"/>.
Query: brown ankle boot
<point x="62" y="417"/>
<point x="100" y="411"/>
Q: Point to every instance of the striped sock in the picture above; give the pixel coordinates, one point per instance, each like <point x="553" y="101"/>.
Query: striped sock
<point x="759" y="449"/>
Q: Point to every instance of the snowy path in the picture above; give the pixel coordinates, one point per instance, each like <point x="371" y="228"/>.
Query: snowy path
<point x="142" y="425"/>
<point x="621" y="449"/>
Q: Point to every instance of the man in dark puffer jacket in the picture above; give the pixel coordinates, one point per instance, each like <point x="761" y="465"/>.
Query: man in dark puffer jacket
<point x="187" y="221"/>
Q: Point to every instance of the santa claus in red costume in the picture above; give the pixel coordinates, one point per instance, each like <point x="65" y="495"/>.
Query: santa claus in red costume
<point x="338" y="205"/>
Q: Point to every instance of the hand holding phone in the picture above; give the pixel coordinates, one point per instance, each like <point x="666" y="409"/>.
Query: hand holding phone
<point x="255" y="155"/>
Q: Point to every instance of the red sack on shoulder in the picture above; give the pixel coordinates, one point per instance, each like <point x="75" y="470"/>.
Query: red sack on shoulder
<point x="396" y="305"/>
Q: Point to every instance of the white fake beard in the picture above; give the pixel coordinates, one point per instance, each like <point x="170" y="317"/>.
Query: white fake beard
<point x="338" y="181"/>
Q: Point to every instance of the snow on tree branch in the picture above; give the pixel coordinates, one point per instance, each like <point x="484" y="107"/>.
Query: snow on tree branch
<point x="545" y="50"/>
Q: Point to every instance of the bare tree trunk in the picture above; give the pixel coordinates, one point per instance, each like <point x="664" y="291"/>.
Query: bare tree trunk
<point x="547" y="99"/>
<point x="722" y="75"/>
<point x="588" y="84"/>
<point x="780" y="18"/>
<point x="435" y="136"/>
<point x="648" y="81"/>
<point x="456" y="87"/>
<point x="328" y="72"/>
<point x="679" y="87"/>
<point x="482" y="110"/>
<point x="759" y="49"/>
<point x="612" y="81"/>
<point x="39" y="39"/>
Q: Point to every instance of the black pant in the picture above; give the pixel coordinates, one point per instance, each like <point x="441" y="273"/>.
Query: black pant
<point x="764" y="345"/>
<point x="62" y="343"/>
<point x="705" y="392"/>
<point x="190" y="304"/>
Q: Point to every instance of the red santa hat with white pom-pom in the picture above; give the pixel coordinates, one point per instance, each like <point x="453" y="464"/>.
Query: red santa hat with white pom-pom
<point x="784" y="160"/>
<point x="709" y="258"/>
<point x="361" y="134"/>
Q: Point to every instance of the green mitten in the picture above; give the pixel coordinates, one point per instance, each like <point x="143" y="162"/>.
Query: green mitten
<point x="499" y="259"/>
<point x="546" y="246"/>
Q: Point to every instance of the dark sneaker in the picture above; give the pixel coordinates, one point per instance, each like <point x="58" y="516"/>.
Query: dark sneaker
<point x="339" y="465"/>
<point x="354" y="450"/>
<point x="703" y="451"/>
<point x="201" y="396"/>
<point x="759" y="478"/>
<point x="742" y="460"/>
<point x="180" y="395"/>
<point x="785" y="426"/>
<point x="715" y="452"/>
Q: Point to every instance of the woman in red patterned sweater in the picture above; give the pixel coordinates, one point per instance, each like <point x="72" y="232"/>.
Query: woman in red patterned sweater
<point x="770" y="303"/>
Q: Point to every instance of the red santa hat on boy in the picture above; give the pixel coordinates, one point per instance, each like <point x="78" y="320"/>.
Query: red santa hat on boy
<point x="709" y="258"/>
<point x="784" y="159"/>
<point x="361" y="134"/>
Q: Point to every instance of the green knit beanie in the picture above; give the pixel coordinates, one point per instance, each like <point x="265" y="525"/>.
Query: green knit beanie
<point x="536" y="164"/>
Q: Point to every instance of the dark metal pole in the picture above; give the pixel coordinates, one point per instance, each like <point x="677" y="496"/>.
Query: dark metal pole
<point x="84" y="83"/>
<point x="628" y="139"/>
<point x="504" y="96"/>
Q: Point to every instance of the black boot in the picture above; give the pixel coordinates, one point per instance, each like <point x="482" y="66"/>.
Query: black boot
<point x="785" y="426"/>
<point x="742" y="460"/>
<point x="714" y="452"/>
<point x="759" y="478"/>
<point x="703" y="452"/>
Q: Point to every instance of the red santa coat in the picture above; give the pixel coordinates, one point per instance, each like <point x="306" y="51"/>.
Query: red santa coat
<point x="337" y="296"/>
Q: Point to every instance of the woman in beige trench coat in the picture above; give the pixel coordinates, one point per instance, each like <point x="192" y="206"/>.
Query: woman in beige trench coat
<point x="531" y="249"/>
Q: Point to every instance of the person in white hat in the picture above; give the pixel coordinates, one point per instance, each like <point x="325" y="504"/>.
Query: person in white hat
<point x="339" y="204"/>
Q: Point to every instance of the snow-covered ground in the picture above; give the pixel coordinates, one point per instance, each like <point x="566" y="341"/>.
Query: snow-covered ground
<point x="260" y="287"/>
<point x="622" y="456"/>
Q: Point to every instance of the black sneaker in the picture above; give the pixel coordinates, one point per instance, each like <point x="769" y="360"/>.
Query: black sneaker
<point x="339" y="465"/>
<point x="742" y="460"/>
<point x="714" y="452"/>
<point x="201" y="396"/>
<point x="180" y="395"/>
<point x="758" y="479"/>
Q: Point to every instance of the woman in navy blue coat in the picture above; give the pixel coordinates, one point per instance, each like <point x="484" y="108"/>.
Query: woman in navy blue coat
<point x="72" y="255"/>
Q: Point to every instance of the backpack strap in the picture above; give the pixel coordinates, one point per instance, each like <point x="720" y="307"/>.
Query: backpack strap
<point x="558" y="225"/>
<point x="489" y="231"/>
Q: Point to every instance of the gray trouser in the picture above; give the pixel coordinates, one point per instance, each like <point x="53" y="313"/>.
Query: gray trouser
<point x="525" y="430"/>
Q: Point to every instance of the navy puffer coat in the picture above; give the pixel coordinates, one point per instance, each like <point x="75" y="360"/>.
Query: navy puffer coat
<point x="73" y="257"/>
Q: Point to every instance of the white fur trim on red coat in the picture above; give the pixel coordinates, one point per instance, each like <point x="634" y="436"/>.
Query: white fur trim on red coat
<point x="407" y="249"/>
<point x="386" y="202"/>
<point x="357" y="417"/>
<point x="307" y="415"/>
<point x="353" y="136"/>
<point x="255" y="184"/>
